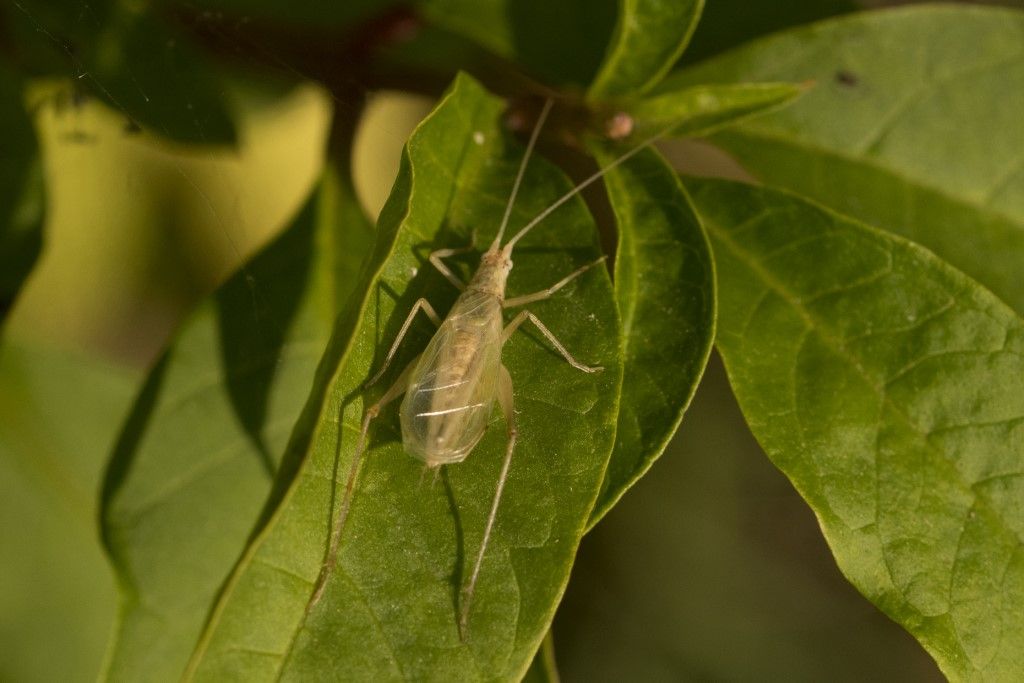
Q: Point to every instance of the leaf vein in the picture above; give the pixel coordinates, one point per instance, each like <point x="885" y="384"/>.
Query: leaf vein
<point x="836" y="343"/>
<point x="888" y="121"/>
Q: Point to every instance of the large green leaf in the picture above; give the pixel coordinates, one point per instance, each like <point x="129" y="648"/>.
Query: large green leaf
<point x="21" y="191"/>
<point x="914" y="126"/>
<point x="649" y="37"/>
<point x="389" y="608"/>
<point x="196" y="458"/>
<point x="58" y="417"/>
<point x="889" y="388"/>
<point x="665" y="288"/>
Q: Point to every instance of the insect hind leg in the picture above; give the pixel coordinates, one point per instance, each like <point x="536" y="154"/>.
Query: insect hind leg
<point x="507" y="402"/>
<point x="421" y="304"/>
<point x="331" y="556"/>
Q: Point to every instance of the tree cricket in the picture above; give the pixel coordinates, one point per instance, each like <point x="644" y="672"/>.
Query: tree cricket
<point x="451" y="387"/>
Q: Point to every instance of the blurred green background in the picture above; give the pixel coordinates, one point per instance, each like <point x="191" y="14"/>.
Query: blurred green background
<point x="711" y="569"/>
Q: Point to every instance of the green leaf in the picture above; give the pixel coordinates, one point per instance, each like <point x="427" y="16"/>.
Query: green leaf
<point x="724" y="24"/>
<point x="58" y="417"/>
<point x="701" y="109"/>
<point x="22" y="200"/>
<point x="914" y="126"/>
<point x="558" y="42"/>
<point x="649" y="37"/>
<point x="889" y="388"/>
<point x="389" y="608"/>
<point x="195" y="461"/>
<point x="665" y="288"/>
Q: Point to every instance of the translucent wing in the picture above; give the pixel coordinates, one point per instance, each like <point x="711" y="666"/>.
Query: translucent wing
<point x="452" y="389"/>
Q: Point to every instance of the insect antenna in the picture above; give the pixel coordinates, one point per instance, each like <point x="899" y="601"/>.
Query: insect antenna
<point x="466" y="598"/>
<point x="522" y="170"/>
<point x="593" y="178"/>
<point x="470" y="589"/>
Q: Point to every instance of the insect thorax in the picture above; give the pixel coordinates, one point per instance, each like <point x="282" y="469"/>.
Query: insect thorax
<point x="492" y="274"/>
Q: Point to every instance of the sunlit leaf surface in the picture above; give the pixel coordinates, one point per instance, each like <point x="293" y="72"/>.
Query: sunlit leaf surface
<point x="389" y="608"/>
<point x="889" y="388"/>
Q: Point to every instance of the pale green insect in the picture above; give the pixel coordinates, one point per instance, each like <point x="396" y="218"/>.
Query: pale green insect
<point x="450" y="389"/>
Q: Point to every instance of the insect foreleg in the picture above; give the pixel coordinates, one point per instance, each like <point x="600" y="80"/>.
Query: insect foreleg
<point x="507" y="403"/>
<point x="396" y="390"/>
<point x="545" y="293"/>
<point x="436" y="256"/>
<point x="421" y="303"/>
<point x="522" y="317"/>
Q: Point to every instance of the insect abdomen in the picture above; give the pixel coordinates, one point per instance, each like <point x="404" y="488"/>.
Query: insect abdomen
<point x="451" y="392"/>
